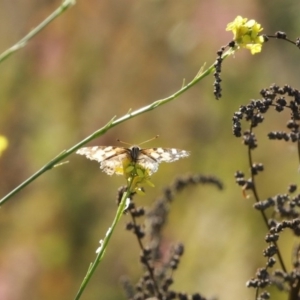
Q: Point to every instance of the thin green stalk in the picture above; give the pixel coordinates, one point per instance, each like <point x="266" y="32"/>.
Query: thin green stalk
<point x="112" y="123"/>
<point x="22" y="43"/>
<point x="105" y="242"/>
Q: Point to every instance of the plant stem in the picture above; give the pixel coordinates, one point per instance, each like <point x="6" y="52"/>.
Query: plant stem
<point x="257" y="199"/>
<point x="23" y="42"/>
<point x="105" y="242"/>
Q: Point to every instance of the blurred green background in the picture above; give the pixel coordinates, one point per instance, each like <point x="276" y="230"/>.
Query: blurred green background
<point x="100" y="59"/>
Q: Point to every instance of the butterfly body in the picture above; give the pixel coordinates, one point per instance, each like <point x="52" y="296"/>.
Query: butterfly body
<point x="134" y="152"/>
<point x="111" y="158"/>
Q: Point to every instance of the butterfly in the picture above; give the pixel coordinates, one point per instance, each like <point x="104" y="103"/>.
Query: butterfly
<point x="111" y="158"/>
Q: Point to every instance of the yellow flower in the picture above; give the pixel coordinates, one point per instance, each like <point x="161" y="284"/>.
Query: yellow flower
<point x="246" y="34"/>
<point x="136" y="175"/>
<point x="3" y="143"/>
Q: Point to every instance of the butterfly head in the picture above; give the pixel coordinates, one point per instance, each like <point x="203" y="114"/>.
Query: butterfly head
<point x="134" y="153"/>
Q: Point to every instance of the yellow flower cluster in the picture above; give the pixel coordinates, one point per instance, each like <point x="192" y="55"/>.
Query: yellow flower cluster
<point x="135" y="175"/>
<point x="246" y="34"/>
<point x="3" y="143"/>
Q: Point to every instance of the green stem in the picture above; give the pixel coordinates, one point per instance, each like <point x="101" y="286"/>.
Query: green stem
<point x="105" y="242"/>
<point x="22" y="43"/>
<point x="112" y="123"/>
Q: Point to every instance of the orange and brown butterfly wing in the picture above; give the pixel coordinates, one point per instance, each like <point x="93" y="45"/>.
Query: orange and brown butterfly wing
<point x="150" y="158"/>
<point x="110" y="157"/>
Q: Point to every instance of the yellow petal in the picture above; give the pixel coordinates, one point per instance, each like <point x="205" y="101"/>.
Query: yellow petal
<point x="3" y="143"/>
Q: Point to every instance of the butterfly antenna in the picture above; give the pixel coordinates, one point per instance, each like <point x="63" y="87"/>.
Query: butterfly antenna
<point x="118" y="140"/>
<point x="149" y="140"/>
<point x="125" y="143"/>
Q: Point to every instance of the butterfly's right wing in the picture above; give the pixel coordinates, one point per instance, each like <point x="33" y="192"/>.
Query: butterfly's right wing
<point x="110" y="157"/>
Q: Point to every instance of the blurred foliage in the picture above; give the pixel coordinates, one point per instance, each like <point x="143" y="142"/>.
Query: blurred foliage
<point x="100" y="59"/>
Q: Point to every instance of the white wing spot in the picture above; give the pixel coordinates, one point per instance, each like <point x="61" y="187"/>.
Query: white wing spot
<point x="108" y="148"/>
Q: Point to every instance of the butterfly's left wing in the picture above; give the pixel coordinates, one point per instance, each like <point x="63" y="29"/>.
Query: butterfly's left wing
<point x="147" y="162"/>
<point x="110" y="157"/>
<point x="152" y="157"/>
